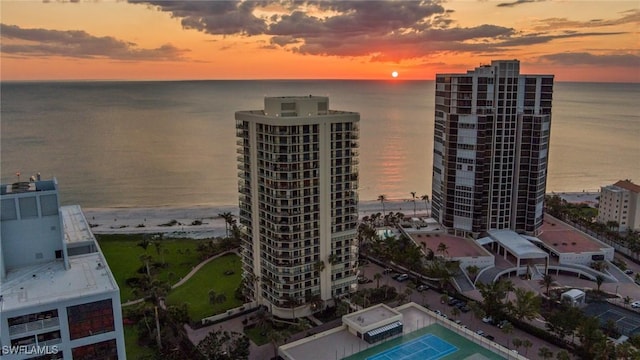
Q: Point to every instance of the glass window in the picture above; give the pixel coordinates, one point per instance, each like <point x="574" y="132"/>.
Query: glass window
<point x="8" y="210"/>
<point x="90" y="319"/>
<point x="28" y="207"/>
<point x="49" y="205"/>
<point x="105" y="350"/>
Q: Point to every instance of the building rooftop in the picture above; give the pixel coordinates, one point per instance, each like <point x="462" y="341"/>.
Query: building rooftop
<point x="628" y="185"/>
<point x="88" y="274"/>
<point x="565" y="239"/>
<point x="373" y="315"/>
<point x="24" y="186"/>
<point x="75" y="226"/>
<point x="517" y="244"/>
<point x="50" y="282"/>
<point x="456" y="246"/>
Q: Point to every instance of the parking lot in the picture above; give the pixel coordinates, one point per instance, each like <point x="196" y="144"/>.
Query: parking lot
<point x="432" y="299"/>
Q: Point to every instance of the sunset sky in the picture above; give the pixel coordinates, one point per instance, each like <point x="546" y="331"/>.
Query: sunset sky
<point x="576" y="40"/>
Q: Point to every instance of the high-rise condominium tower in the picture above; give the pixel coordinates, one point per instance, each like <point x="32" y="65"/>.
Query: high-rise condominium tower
<point x="298" y="178"/>
<point x="491" y="147"/>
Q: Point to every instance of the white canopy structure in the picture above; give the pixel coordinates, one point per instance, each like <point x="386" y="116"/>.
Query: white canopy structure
<point x="510" y="242"/>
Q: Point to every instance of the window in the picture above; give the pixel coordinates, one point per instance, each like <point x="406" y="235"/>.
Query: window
<point x="8" y="210"/>
<point x="90" y="319"/>
<point x="28" y="207"/>
<point x="105" y="350"/>
<point x="49" y="205"/>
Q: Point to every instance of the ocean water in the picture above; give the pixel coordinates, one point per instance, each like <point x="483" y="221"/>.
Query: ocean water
<point x="136" y="144"/>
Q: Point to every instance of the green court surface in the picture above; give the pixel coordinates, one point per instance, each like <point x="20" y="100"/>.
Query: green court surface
<point x="465" y="348"/>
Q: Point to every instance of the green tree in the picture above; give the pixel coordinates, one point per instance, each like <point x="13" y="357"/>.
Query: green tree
<point x="494" y="295"/>
<point x="526" y="304"/>
<point x="382" y="198"/>
<point x="545" y="353"/>
<point x="425" y="198"/>
<point x="225" y="345"/>
<point x="377" y="277"/>
<point x="472" y="270"/>
<point x="228" y="220"/>
<point x="563" y="355"/>
<point x="527" y="344"/>
<point x="547" y="281"/>
<point x="599" y="281"/>
<point x="413" y="195"/>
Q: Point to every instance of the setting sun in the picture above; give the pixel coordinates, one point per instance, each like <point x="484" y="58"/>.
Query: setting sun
<point x="394" y="74"/>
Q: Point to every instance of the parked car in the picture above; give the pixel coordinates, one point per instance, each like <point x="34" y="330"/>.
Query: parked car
<point x="402" y="277"/>
<point x="364" y="280"/>
<point x="628" y="272"/>
<point x="453" y="301"/>
<point x="487" y="320"/>
<point x="635" y="304"/>
<point x="503" y="323"/>
<point x="422" y="287"/>
<point x="461" y="304"/>
<point x="480" y="332"/>
<point x="438" y="312"/>
<point x="387" y="271"/>
<point x="490" y="337"/>
<point x="465" y="309"/>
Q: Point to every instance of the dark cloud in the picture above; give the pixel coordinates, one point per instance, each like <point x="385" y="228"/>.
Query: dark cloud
<point x="379" y="30"/>
<point x="583" y="58"/>
<point x="515" y="3"/>
<point x="79" y="44"/>
<point x="628" y="17"/>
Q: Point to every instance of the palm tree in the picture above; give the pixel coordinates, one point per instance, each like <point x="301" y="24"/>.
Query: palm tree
<point x="425" y="198"/>
<point x="546" y="282"/>
<point x="527" y="344"/>
<point x="516" y="343"/>
<point x="319" y="266"/>
<point x="599" y="280"/>
<point x="526" y="305"/>
<point x="228" y="220"/>
<point x="377" y="277"/>
<point x="473" y="270"/>
<point x="443" y="249"/>
<point x="382" y="198"/>
<point x="545" y="353"/>
<point x="413" y="195"/>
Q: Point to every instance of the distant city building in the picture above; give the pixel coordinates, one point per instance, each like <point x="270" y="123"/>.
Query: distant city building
<point x="58" y="298"/>
<point x="298" y="177"/>
<point x="620" y="203"/>
<point x="491" y="147"/>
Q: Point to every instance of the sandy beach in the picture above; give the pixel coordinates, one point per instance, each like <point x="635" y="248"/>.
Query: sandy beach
<point x="186" y="220"/>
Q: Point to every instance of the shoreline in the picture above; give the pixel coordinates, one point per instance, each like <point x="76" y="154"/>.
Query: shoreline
<point x="141" y="220"/>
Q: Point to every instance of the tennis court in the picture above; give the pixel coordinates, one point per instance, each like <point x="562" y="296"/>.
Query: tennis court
<point x="627" y="322"/>
<point x="426" y="347"/>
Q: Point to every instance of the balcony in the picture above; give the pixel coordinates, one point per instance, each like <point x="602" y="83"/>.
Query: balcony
<point x="34" y="326"/>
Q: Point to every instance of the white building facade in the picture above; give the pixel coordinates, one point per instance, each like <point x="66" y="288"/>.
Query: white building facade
<point x="298" y="177"/>
<point x="620" y="203"/>
<point x="491" y="142"/>
<point x="54" y="305"/>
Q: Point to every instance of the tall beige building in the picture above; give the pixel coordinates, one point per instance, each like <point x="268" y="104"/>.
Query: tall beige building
<point x="298" y="177"/>
<point x="620" y="202"/>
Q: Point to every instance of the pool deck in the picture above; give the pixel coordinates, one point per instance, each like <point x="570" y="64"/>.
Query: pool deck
<point x="340" y="343"/>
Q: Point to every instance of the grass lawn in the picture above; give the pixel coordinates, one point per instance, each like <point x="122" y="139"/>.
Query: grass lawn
<point x="123" y="256"/>
<point x="255" y="334"/>
<point x="195" y="292"/>
<point x="134" y="351"/>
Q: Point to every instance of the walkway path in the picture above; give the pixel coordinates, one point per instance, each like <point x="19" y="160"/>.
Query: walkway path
<point x="189" y="275"/>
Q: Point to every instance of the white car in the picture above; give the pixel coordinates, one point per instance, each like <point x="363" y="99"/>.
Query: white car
<point x="635" y="304"/>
